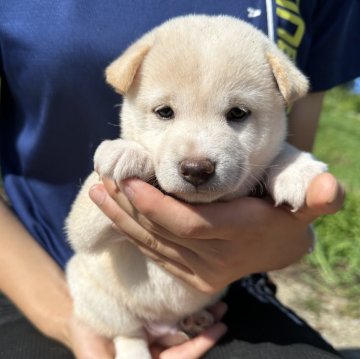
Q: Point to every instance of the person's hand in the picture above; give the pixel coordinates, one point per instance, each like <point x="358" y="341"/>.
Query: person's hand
<point x="199" y="345"/>
<point x="211" y="245"/>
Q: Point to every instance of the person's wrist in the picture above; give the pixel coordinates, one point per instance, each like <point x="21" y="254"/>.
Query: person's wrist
<point x="55" y="327"/>
<point x="58" y="328"/>
<point x="63" y="331"/>
<point x="55" y="320"/>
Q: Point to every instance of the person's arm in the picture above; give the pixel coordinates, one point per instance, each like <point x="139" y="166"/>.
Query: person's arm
<point x="303" y="121"/>
<point x="31" y="279"/>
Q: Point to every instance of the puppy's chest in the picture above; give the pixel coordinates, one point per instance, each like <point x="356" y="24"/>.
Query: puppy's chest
<point x="142" y="284"/>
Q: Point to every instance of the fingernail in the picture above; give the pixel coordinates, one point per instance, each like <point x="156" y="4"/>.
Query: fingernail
<point x="97" y="195"/>
<point x="334" y="190"/>
<point x="129" y="193"/>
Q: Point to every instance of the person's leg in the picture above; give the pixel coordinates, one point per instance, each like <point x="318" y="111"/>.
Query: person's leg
<point x="20" y="340"/>
<point x="260" y="327"/>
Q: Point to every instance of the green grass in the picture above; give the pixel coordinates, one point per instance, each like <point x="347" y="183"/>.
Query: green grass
<point x="337" y="255"/>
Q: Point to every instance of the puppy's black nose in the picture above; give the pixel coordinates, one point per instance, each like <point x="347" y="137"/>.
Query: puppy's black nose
<point x="196" y="171"/>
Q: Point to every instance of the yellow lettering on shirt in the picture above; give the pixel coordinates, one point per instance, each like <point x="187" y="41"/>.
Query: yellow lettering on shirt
<point x="290" y="5"/>
<point x="289" y="42"/>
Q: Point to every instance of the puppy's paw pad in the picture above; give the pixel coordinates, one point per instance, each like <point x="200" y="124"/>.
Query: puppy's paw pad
<point x="197" y="322"/>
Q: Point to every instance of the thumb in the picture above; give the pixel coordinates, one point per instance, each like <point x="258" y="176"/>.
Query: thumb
<point x="325" y="195"/>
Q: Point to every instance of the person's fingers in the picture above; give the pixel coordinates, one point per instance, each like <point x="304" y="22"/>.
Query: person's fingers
<point x="144" y="221"/>
<point x="155" y="240"/>
<point x="194" y="221"/>
<point x="150" y="243"/>
<point x="196" y="347"/>
<point x="175" y="216"/>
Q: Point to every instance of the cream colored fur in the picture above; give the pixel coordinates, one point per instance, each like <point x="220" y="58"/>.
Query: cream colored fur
<point x="201" y="66"/>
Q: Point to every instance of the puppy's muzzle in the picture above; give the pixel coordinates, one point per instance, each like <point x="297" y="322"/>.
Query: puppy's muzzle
<point x="196" y="171"/>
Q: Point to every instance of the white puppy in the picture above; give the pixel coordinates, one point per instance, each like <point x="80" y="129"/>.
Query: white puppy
<point x="203" y="111"/>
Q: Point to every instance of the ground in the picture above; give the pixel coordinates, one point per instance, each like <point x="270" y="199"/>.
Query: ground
<point x="321" y="308"/>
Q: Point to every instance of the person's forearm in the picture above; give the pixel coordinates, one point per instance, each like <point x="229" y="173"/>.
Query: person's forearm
<point x="303" y="121"/>
<point x="31" y="279"/>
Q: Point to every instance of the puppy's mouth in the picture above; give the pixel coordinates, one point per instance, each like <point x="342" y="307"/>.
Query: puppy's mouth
<point x="201" y="194"/>
<point x="155" y="183"/>
<point x="197" y="194"/>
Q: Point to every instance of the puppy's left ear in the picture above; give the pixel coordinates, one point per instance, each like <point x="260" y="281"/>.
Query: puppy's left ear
<point x="290" y="80"/>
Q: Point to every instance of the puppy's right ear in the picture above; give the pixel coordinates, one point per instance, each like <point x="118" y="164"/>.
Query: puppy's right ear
<point x="291" y="82"/>
<point x="121" y="72"/>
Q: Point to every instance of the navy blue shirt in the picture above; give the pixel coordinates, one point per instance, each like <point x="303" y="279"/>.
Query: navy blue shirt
<point x="56" y="107"/>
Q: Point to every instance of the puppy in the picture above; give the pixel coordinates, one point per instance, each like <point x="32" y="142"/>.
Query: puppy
<point x="203" y="111"/>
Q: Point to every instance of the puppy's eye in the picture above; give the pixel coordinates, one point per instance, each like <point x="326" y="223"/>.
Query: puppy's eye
<point x="237" y="114"/>
<point x="165" y="112"/>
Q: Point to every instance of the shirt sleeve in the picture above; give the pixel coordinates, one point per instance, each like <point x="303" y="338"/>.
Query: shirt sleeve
<point x="334" y="54"/>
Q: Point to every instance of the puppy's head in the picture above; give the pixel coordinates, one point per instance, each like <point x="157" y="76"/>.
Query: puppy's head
<point x="206" y="97"/>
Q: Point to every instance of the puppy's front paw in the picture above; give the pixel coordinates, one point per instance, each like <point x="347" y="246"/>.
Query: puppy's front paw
<point x="289" y="178"/>
<point x="197" y="322"/>
<point x="120" y="159"/>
